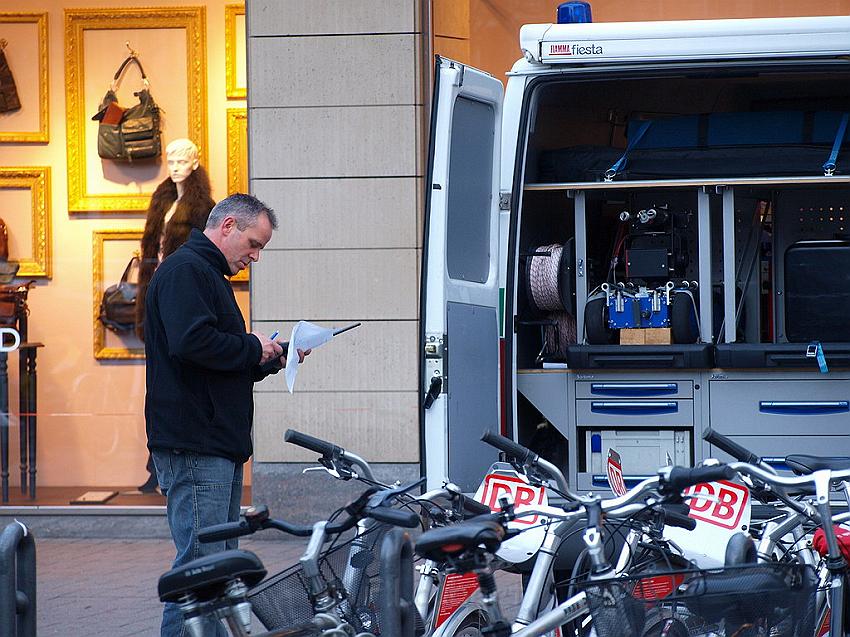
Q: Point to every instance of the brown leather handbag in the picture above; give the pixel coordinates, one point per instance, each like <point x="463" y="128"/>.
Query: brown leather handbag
<point x="118" y="306"/>
<point x="8" y="89"/>
<point x="128" y="134"/>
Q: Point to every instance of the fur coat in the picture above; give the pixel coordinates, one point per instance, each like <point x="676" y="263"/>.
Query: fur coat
<point x="192" y="212"/>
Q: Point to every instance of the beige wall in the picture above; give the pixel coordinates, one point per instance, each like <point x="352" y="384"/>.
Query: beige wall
<point x="334" y="125"/>
<point x="90" y="421"/>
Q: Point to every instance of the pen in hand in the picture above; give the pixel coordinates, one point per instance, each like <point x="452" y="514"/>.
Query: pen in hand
<point x="274" y="336"/>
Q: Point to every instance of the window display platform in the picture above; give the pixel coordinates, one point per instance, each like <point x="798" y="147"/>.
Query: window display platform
<point x="64" y="496"/>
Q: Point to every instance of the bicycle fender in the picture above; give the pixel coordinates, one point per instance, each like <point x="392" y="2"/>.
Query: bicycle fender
<point x="453" y="623"/>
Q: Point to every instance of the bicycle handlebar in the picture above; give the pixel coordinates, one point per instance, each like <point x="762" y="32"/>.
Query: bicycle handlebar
<point x="672" y="518"/>
<point x="731" y="447"/>
<point x="313" y="444"/>
<point x="526" y="456"/>
<point x="395" y="517"/>
<point x="328" y="450"/>
<point x="676" y="479"/>
<point x="513" y="449"/>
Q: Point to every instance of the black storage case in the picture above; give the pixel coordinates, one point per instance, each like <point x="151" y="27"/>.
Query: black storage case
<point x="779" y="355"/>
<point x="817" y="291"/>
<point x="696" y="356"/>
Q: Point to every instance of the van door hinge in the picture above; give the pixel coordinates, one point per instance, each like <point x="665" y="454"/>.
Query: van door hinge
<point x="504" y="201"/>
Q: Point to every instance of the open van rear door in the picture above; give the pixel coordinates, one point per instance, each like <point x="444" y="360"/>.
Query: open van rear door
<point x="460" y="288"/>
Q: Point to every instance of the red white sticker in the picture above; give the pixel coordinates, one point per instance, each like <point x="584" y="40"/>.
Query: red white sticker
<point x="456" y="590"/>
<point x="723" y="506"/>
<point x="615" y="473"/>
<point x="524" y="495"/>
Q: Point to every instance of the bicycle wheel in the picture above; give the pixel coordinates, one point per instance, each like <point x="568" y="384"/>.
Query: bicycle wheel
<point x="471" y="626"/>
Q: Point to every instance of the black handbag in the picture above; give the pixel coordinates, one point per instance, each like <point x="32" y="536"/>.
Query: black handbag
<point x="9" y="100"/>
<point x="118" y="306"/>
<point x="128" y="134"/>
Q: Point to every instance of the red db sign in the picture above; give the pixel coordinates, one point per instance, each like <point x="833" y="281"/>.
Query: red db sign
<point x="723" y="506"/>
<point x="524" y="495"/>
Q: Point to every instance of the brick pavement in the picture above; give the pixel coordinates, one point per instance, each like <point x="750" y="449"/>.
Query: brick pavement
<point x="107" y="588"/>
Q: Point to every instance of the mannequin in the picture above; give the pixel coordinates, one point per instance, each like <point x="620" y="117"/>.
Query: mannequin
<point x="181" y="202"/>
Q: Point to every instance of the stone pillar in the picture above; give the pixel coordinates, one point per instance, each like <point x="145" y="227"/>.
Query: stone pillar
<point x="335" y="112"/>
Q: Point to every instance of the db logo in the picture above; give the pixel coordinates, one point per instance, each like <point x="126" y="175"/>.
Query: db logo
<point x="615" y="473"/>
<point x="524" y="495"/>
<point x="724" y="505"/>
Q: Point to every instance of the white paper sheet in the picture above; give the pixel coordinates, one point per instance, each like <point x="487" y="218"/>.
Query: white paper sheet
<point x="305" y="335"/>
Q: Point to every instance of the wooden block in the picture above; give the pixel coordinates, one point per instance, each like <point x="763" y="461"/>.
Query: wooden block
<point x="632" y="336"/>
<point x="657" y="336"/>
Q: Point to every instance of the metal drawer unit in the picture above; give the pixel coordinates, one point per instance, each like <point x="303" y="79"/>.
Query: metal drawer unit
<point x="650" y="418"/>
<point x="795" y="413"/>
<point x="781" y="407"/>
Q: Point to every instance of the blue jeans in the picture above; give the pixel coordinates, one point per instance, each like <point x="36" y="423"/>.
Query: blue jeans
<point x="200" y="491"/>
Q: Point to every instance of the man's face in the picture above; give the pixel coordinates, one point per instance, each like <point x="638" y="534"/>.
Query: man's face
<point x="180" y="166"/>
<point x="242" y="247"/>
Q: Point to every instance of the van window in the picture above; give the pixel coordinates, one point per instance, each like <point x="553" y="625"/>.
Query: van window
<point x="470" y="190"/>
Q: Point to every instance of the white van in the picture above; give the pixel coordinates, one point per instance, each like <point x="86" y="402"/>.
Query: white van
<point x="645" y="234"/>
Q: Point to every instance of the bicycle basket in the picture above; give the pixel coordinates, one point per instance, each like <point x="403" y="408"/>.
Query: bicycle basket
<point x="350" y="568"/>
<point x="759" y="599"/>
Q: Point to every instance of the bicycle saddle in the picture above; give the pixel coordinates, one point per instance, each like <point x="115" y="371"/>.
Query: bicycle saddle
<point x="448" y="541"/>
<point x="801" y="463"/>
<point x="206" y="576"/>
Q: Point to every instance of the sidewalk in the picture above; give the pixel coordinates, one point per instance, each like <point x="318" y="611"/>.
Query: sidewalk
<point x="107" y="588"/>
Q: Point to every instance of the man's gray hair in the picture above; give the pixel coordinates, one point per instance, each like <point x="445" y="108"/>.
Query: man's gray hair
<point x="244" y="208"/>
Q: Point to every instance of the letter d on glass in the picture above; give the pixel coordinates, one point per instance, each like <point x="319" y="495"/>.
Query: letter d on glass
<point x="15" y="336"/>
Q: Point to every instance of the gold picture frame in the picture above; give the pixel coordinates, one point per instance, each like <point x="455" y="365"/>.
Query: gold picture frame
<point x="237" y="162"/>
<point x="102" y="351"/>
<point x="231" y="13"/>
<point x="77" y="22"/>
<point x="43" y="132"/>
<point x="36" y="179"/>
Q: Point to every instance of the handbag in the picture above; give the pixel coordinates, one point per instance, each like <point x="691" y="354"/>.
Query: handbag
<point x="118" y="306"/>
<point x="9" y="100"/>
<point x="128" y="134"/>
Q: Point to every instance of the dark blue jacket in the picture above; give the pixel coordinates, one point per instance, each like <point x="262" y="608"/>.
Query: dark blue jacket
<point x="201" y="363"/>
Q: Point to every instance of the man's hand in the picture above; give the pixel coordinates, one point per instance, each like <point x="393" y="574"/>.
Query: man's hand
<point x="302" y="354"/>
<point x="271" y="349"/>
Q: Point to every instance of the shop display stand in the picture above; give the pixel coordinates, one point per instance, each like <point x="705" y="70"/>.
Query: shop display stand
<point x="27" y="400"/>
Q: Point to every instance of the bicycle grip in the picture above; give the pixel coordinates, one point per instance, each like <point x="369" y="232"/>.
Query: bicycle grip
<point x="522" y="454"/>
<point x="681" y="478"/>
<point x="226" y="531"/>
<point x="729" y="446"/>
<point x="474" y="507"/>
<point x="407" y="519"/>
<point x="671" y="518"/>
<point x="311" y="443"/>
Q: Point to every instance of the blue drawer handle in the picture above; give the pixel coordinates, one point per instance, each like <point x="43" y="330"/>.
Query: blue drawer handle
<point x="643" y="408"/>
<point x="634" y="389"/>
<point x="599" y="480"/>
<point x="797" y="408"/>
<point x="777" y="462"/>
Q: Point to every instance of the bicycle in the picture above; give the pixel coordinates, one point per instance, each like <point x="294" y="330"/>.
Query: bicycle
<point x="219" y="587"/>
<point x="606" y="604"/>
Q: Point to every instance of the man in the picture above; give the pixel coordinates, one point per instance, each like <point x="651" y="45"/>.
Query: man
<point x="201" y="367"/>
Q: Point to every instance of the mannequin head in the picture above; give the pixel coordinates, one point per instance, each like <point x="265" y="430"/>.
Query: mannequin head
<point x="182" y="158"/>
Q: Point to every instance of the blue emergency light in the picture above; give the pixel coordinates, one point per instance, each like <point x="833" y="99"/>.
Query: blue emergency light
<point x="573" y="12"/>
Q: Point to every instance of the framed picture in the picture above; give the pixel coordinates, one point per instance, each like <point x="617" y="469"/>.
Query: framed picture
<point x="25" y="205"/>
<point x="171" y="45"/>
<point x="112" y="250"/>
<point x="237" y="161"/>
<point x="23" y="40"/>
<point x="234" y="51"/>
